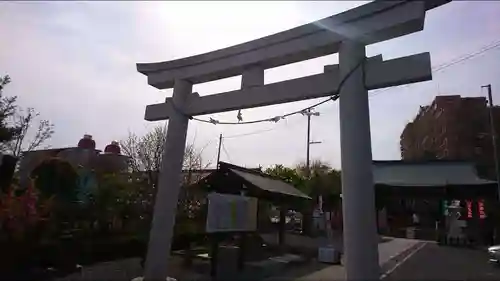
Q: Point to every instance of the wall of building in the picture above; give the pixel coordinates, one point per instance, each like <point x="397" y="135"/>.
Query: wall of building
<point x="87" y="158"/>
<point x="452" y="128"/>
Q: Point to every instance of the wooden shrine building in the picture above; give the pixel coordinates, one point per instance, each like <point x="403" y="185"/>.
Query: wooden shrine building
<point x="235" y="180"/>
<point x="427" y="188"/>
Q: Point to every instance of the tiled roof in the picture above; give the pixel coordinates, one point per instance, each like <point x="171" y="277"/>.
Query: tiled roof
<point x="432" y="173"/>
<point x="269" y="184"/>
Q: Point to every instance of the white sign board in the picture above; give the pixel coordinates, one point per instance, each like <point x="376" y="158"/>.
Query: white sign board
<point x="228" y="213"/>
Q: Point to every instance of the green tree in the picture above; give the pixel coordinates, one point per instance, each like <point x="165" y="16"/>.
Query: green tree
<point x="289" y="175"/>
<point x="329" y="186"/>
<point x="114" y="199"/>
<point x="326" y="183"/>
<point x="322" y="180"/>
<point x="315" y="167"/>
<point x="54" y="176"/>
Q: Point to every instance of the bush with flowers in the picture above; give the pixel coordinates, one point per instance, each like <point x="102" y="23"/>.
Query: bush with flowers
<point x="24" y="221"/>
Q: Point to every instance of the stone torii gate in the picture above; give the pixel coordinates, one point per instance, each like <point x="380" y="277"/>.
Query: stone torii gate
<point x="346" y="33"/>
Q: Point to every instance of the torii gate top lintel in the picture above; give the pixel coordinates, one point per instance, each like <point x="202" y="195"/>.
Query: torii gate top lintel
<point x="370" y="23"/>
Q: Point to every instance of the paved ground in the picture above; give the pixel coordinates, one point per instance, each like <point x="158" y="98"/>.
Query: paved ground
<point x="389" y="253"/>
<point x="434" y="262"/>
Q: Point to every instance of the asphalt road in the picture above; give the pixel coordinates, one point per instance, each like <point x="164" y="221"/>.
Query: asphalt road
<point x="434" y="262"/>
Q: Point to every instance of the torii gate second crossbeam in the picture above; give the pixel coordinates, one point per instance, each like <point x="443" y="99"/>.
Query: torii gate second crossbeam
<point x="347" y="33"/>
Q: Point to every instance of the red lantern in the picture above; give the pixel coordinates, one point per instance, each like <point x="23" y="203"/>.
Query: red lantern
<point x="482" y="213"/>
<point x="469" y="209"/>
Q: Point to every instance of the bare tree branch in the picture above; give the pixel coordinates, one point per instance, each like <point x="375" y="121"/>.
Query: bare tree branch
<point x="146" y="152"/>
<point x="129" y="147"/>
<point x="24" y="120"/>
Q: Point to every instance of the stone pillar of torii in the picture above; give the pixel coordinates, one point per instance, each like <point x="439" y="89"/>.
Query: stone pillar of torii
<point x="347" y="33"/>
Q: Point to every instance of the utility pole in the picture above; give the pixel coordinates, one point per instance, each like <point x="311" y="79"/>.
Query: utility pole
<point x="309" y="113"/>
<point x="308" y="169"/>
<point x="307" y="216"/>
<point x="218" y="151"/>
<point x="493" y="136"/>
<point x="495" y="149"/>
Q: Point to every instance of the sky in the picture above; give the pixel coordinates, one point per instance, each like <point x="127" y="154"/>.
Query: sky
<point x="75" y="63"/>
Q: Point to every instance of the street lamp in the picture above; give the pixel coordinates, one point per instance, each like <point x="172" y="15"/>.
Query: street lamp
<point x="309" y="112"/>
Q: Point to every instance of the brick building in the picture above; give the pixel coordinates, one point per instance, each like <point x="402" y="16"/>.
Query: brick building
<point x="452" y="128"/>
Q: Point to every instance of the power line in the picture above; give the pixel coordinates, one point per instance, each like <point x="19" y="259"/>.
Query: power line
<point x="261" y="131"/>
<point x="435" y="69"/>
<point x="334" y="97"/>
<point x="465" y="57"/>
<point x="279" y="117"/>
<point x="253" y="133"/>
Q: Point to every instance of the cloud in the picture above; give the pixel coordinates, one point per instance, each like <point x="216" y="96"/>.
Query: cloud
<point x="75" y="63"/>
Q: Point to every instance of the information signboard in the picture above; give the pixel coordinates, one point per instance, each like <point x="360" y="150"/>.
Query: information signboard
<point x="231" y="213"/>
